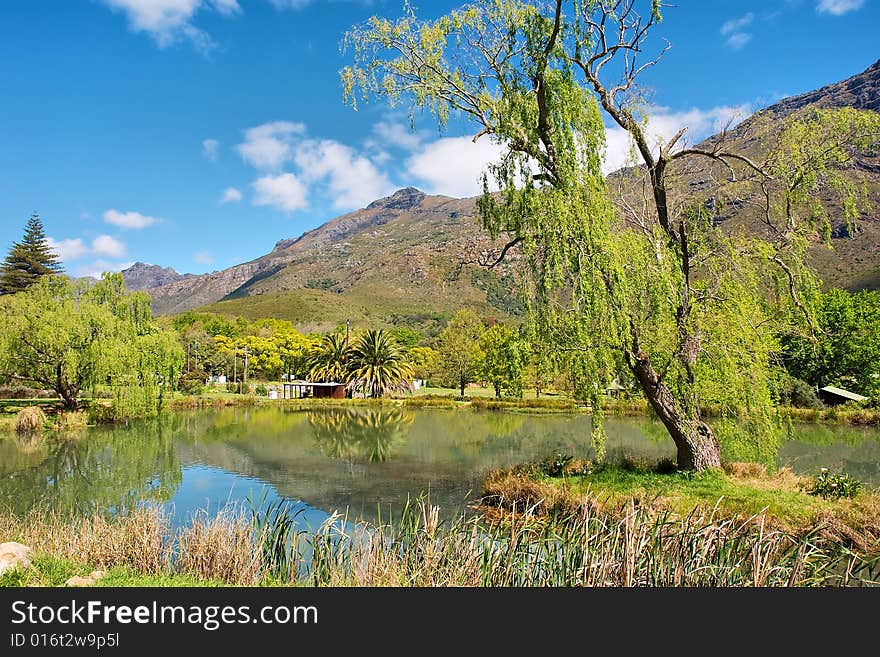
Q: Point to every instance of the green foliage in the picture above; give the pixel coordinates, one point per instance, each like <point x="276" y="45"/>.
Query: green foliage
<point x="459" y="349"/>
<point x="692" y="311"/>
<point x="192" y="383"/>
<point x="378" y="365"/>
<point x="554" y="466"/>
<point x="800" y="394"/>
<point x="504" y="359"/>
<point x="835" y="486"/>
<point x="845" y="351"/>
<point x="70" y="336"/>
<point x="320" y="284"/>
<point x="329" y="360"/>
<point x="261" y="390"/>
<point x="406" y="337"/>
<point x="28" y="260"/>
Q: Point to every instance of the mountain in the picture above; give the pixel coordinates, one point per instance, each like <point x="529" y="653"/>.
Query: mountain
<point x="396" y="262"/>
<point x="402" y="259"/>
<point x="143" y="276"/>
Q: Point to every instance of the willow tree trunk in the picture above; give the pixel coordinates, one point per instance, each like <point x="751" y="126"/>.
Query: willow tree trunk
<point x="694" y="439"/>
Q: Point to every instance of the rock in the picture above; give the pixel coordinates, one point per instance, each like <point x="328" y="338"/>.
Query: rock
<point x="89" y="580"/>
<point x="79" y="581"/>
<point x="14" y="555"/>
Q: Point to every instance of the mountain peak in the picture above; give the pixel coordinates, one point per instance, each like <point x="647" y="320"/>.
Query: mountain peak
<point x="861" y="91"/>
<point x="144" y="276"/>
<point x="402" y="199"/>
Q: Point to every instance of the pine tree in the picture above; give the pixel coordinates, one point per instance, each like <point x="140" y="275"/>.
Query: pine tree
<point x="29" y="259"/>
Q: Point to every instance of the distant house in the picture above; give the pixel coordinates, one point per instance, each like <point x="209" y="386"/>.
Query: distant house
<point x="835" y="396"/>
<point x="302" y="389"/>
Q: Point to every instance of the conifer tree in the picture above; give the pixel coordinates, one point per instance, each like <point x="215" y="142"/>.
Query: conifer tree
<point x="29" y="259"/>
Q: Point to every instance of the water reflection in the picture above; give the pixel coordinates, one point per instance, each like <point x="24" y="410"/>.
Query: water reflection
<point x="354" y="434"/>
<point x="361" y="460"/>
<point x="98" y="469"/>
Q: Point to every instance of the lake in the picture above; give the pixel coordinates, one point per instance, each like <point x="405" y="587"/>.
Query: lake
<point x="366" y="461"/>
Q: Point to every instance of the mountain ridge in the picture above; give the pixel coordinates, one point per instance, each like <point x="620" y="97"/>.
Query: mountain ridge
<point x="400" y="259"/>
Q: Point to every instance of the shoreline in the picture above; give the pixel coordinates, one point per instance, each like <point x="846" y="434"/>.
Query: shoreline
<point x="91" y="413"/>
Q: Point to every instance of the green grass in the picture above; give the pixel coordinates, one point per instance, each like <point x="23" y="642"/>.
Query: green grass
<point x="739" y="493"/>
<point x="47" y="570"/>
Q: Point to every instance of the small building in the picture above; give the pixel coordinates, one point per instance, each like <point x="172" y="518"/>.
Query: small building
<point x="836" y="396"/>
<point x="304" y="389"/>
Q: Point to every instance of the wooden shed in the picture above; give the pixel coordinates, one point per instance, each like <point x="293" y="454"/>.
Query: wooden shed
<point x="304" y="389"/>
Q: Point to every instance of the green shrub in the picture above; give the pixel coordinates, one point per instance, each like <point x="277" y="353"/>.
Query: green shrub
<point x="800" y="394"/>
<point x="192" y="383"/>
<point x="835" y="486"/>
<point x="233" y="387"/>
<point x="554" y="466"/>
<point x="261" y="390"/>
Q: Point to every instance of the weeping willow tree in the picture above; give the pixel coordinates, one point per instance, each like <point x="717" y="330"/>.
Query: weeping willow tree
<point x="644" y="279"/>
<point x="70" y="336"/>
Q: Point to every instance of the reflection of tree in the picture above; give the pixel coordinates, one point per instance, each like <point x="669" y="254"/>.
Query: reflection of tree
<point x="103" y="470"/>
<point x="353" y="434"/>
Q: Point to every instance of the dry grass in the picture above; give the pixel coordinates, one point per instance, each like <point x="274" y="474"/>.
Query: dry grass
<point x="30" y="420"/>
<point x="222" y="547"/>
<point x="136" y="540"/>
<point x="576" y="545"/>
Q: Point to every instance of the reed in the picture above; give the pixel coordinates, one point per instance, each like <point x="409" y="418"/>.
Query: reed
<point x="581" y="546"/>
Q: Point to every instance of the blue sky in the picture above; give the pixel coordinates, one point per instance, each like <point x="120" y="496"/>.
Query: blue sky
<point x="197" y="133"/>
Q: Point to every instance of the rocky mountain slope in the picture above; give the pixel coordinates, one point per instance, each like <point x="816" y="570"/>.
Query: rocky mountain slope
<point x="143" y="276"/>
<point x="400" y="259"/>
<point x="397" y="261"/>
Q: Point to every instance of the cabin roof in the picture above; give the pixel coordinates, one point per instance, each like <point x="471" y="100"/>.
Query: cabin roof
<point x="840" y="392"/>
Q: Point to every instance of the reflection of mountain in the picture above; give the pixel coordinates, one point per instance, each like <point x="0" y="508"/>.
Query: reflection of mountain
<point x="335" y="460"/>
<point x="102" y="469"/>
<point x="445" y="453"/>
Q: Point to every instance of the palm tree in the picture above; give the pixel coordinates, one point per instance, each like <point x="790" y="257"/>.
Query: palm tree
<point x="379" y="365"/>
<point x="329" y="360"/>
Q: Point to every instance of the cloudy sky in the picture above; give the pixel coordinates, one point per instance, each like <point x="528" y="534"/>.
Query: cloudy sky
<point x="197" y="133"/>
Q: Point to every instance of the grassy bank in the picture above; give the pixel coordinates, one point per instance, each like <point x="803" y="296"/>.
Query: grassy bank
<point x="741" y="492"/>
<point x="582" y="546"/>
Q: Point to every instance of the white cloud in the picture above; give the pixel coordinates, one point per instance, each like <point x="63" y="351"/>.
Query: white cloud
<point x="352" y="179"/>
<point x="838" y="7"/>
<point x="397" y="135"/>
<point x="738" y="39"/>
<point x="285" y="192"/>
<point x="170" y="21"/>
<point x="105" y="245"/>
<point x="454" y="166"/>
<point x="268" y="146"/>
<point x="77" y="248"/>
<point x="227" y="7"/>
<point x="737" y="24"/>
<point x="211" y="149"/>
<point x="663" y="124"/>
<point x="733" y="30"/>
<point x="129" y="220"/>
<point x="69" y="249"/>
<point x="231" y="195"/>
<point x="203" y="258"/>
<point x="98" y="267"/>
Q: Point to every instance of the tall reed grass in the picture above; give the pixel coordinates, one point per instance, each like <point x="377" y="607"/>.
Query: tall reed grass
<point x="578" y="547"/>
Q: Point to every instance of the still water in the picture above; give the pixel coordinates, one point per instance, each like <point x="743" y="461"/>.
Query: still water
<point x="363" y="461"/>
